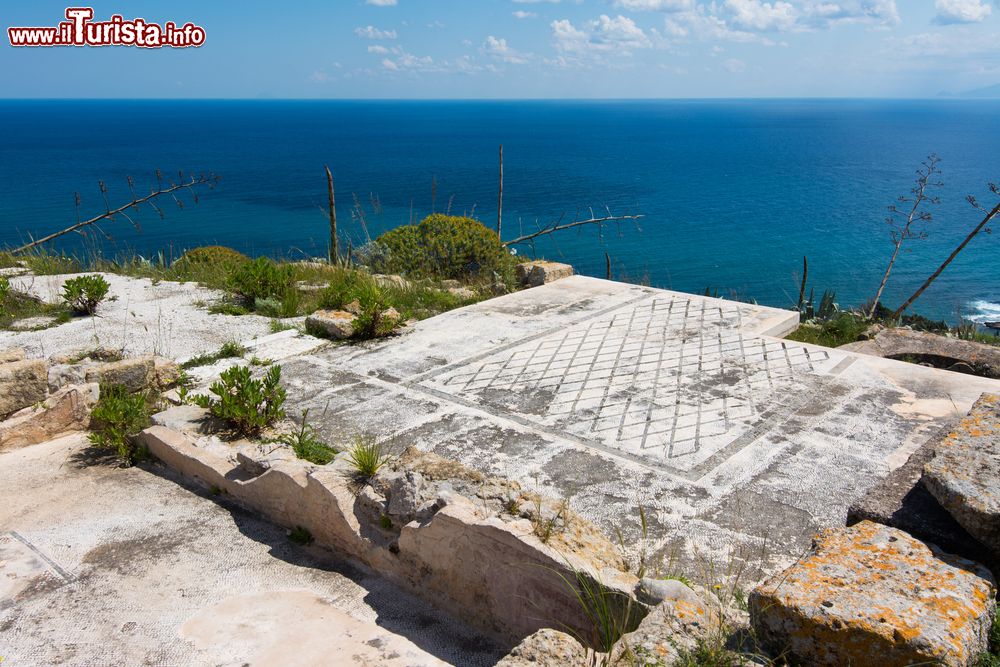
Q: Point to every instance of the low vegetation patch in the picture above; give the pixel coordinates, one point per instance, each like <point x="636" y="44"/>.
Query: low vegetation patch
<point x="229" y="350"/>
<point x="246" y="404"/>
<point x="84" y="293"/>
<point x="117" y="420"/>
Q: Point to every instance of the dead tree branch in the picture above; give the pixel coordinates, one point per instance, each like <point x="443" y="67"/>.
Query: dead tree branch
<point x="559" y="226"/>
<point x="110" y="213"/>
<point x="990" y="215"/>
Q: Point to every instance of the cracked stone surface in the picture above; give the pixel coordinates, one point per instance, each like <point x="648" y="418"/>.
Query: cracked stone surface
<point x="738" y="445"/>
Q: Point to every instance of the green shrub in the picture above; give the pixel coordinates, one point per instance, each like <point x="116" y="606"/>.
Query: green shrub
<point x="262" y="279"/>
<point x="246" y="404"/>
<point x="367" y="456"/>
<point x="209" y="256"/>
<point x="84" y="293"/>
<point x="446" y="247"/>
<point x="4" y="293"/>
<point x="345" y="286"/>
<point x="117" y="420"/>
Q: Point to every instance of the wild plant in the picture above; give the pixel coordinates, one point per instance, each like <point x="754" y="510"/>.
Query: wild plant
<point x="84" y="293"/>
<point x="116" y="421"/>
<point x="367" y="456"/>
<point x="248" y="405"/>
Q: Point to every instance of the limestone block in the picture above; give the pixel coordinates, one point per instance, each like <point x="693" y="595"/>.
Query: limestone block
<point x="462" y="292"/>
<point x="134" y="374"/>
<point x="405" y="494"/>
<point x="61" y="375"/>
<point x="535" y="274"/>
<point x="65" y="411"/>
<point x="546" y="648"/>
<point x="336" y="324"/>
<point x="391" y="281"/>
<point x="166" y="373"/>
<point x="680" y="618"/>
<point x="870" y="595"/>
<point x="964" y="474"/>
<point x="12" y="354"/>
<point x="22" y="384"/>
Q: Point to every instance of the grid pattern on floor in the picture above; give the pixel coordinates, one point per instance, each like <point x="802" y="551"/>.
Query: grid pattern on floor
<point x="670" y="379"/>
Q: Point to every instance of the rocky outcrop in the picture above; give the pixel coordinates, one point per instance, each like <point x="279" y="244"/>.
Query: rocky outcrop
<point x="964" y="474"/>
<point x="12" y="354"/>
<point x="535" y="274"/>
<point x="411" y="526"/>
<point x="548" y="648"/>
<point x="873" y="595"/>
<point x="63" y="412"/>
<point x="22" y="384"/>
<point x="335" y="324"/>
<point x="940" y="351"/>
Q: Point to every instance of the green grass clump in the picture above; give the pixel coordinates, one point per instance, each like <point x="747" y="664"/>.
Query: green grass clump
<point x="306" y="444"/>
<point x="84" y="293"/>
<point x="445" y="247"/>
<point x="841" y="329"/>
<point x="248" y="405"/>
<point x="367" y="456"/>
<point x="117" y="420"/>
<point x="300" y="536"/>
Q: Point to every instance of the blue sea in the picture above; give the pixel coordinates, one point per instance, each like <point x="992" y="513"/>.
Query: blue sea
<point x="734" y="193"/>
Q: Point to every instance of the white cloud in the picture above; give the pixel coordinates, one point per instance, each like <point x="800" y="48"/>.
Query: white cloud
<point x="371" y="32"/>
<point x="656" y="5"/>
<point x="377" y="48"/>
<point x="521" y="14"/>
<point x="735" y="65"/>
<point x="606" y="34"/>
<point x="960" y="11"/>
<point x="498" y="49"/>
<point x="381" y="3"/>
<point x="826" y="14"/>
<point x="757" y="15"/>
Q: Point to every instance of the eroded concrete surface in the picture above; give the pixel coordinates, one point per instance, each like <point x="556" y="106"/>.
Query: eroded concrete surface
<point x="738" y="445"/>
<point x="107" y="566"/>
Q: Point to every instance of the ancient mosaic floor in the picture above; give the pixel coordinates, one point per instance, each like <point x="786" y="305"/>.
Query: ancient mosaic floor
<point x="734" y="441"/>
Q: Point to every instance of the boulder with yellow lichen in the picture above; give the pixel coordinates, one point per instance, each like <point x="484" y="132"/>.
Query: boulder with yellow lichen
<point x="873" y="595"/>
<point x="964" y="474"/>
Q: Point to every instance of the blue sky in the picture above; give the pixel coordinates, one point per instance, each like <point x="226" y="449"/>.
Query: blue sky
<point x="524" y="49"/>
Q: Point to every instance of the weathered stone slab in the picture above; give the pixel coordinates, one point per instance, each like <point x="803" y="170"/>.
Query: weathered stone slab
<point x="901" y="501"/>
<point x="873" y="595"/>
<point x="964" y="474"/>
<point x="535" y="274"/>
<point x="22" y="384"/>
<point x="547" y="648"/>
<point x="134" y="374"/>
<point x="336" y="324"/>
<point x="65" y="411"/>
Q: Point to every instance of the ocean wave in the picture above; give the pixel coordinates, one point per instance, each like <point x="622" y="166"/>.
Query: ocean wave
<point x="982" y="310"/>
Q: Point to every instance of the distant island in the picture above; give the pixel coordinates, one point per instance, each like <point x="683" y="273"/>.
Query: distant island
<point x="987" y="92"/>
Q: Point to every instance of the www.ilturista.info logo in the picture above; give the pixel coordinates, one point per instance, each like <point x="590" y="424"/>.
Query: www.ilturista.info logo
<point x="81" y="30"/>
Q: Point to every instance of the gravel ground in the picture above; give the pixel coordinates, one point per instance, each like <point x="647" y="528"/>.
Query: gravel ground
<point x="139" y="318"/>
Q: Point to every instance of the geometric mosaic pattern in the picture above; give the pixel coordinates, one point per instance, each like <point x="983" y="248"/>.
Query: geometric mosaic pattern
<point x="670" y="380"/>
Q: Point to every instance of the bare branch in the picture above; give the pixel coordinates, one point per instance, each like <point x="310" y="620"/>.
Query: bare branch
<point x="110" y="214"/>
<point x="558" y="226"/>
